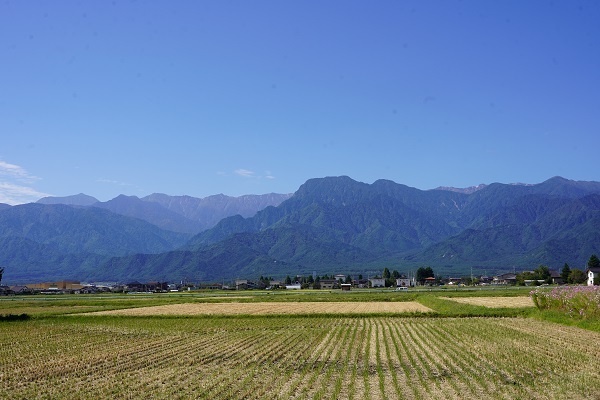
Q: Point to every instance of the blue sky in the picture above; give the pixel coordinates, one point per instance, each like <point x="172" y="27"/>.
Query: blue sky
<point x="250" y="97"/>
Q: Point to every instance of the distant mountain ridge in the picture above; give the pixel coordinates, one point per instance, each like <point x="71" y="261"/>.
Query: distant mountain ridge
<point x="336" y="224"/>
<point x="74" y="200"/>
<point x="184" y="214"/>
<point x="467" y="190"/>
<point x="208" y="211"/>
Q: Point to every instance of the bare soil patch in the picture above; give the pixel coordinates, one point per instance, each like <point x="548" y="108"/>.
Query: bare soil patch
<point x="271" y="308"/>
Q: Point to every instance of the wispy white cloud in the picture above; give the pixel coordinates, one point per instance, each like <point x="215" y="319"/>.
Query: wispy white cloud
<point x="16" y="172"/>
<point x="245" y="173"/>
<point x="13" y="194"/>
<point x="269" y="175"/>
<point x="113" y="182"/>
<point x="15" y="184"/>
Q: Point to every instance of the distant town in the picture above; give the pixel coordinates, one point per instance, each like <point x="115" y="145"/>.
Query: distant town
<point x="392" y="280"/>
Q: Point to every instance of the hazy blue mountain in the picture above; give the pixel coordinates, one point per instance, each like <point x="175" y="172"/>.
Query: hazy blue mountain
<point x="74" y="200"/>
<point x="85" y="229"/>
<point x="184" y="214"/>
<point x="242" y="255"/>
<point x="208" y="211"/>
<point x="336" y="222"/>
<point x="27" y="261"/>
<point x="57" y="241"/>
<point x="536" y="230"/>
<point x="332" y="224"/>
<point x="153" y="213"/>
<point x="357" y="213"/>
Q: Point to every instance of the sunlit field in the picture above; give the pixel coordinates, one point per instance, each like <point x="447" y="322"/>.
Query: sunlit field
<point x="375" y="352"/>
<point x="273" y="308"/>
<point x="495" y="302"/>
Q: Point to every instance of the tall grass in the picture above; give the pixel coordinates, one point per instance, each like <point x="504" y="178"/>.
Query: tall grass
<point x="582" y="302"/>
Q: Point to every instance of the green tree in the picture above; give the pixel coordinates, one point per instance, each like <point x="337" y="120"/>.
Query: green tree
<point x="422" y="273"/>
<point x="348" y="279"/>
<point x="542" y="273"/>
<point x="565" y="272"/>
<point x="1" y="273"/>
<point x="387" y="275"/>
<point x="577" y="276"/>
<point x="288" y="280"/>
<point x="593" y="262"/>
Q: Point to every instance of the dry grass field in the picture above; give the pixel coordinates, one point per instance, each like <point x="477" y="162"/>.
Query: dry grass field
<point x="494" y="302"/>
<point x="272" y="308"/>
<point x="292" y="357"/>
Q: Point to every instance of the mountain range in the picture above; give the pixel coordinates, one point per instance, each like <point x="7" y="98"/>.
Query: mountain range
<point x="329" y="225"/>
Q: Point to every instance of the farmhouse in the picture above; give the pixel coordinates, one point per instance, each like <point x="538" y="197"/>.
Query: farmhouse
<point x="505" y="279"/>
<point x="20" y="289"/>
<point x="360" y="283"/>
<point x="429" y="281"/>
<point x="593" y="275"/>
<point x="404" y="282"/>
<point x="377" y="282"/>
<point x="329" y="283"/>
<point x="556" y="277"/>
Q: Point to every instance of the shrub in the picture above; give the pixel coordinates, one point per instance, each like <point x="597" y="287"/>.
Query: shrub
<point x="14" y="317"/>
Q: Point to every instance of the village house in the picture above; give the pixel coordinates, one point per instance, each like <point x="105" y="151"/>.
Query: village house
<point x="429" y="281"/>
<point x="505" y="279"/>
<point x="241" y="284"/>
<point x="20" y="289"/>
<point x="404" y="282"/>
<point x="556" y="277"/>
<point x="329" y="283"/>
<point x="360" y="283"/>
<point x="377" y="282"/>
<point x="593" y="275"/>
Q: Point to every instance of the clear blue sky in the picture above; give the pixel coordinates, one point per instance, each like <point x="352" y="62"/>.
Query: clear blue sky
<point x="251" y="97"/>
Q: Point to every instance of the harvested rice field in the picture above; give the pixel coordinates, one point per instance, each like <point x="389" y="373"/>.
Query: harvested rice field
<point x="292" y="357"/>
<point x="494" y="302"/>
<point x="272" y="308"/>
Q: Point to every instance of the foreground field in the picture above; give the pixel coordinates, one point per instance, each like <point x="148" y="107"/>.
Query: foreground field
<point x="297" y="357"/>
<point x="273" y="308"/>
